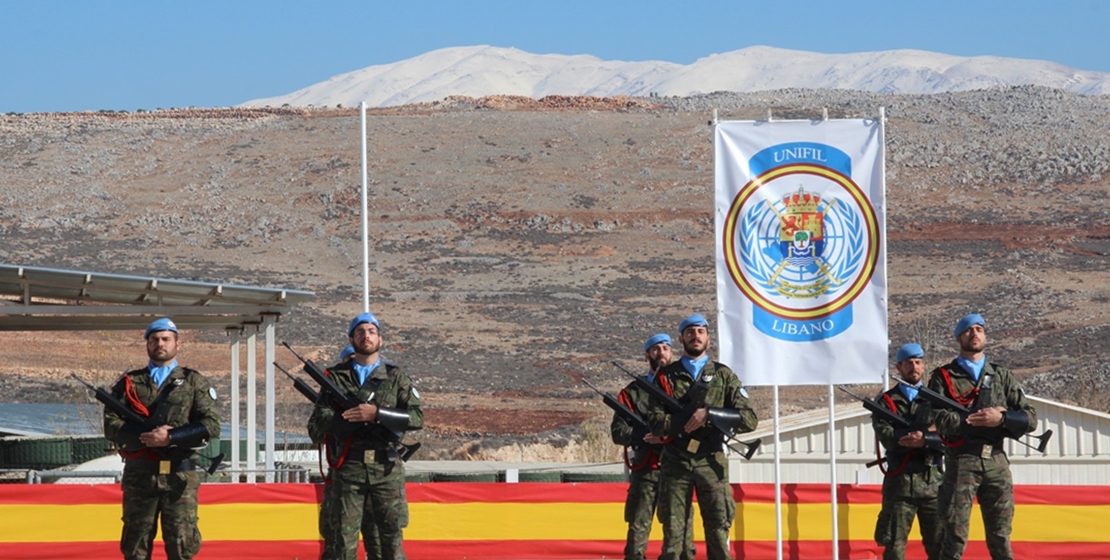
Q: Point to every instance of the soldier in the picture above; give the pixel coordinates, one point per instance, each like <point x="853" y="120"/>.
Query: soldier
<point x="694" y="460"/>
<point x="367" y="473"/>
<point x="370" y="530"/>
<point x="643" y="461"/>
<point x="912" y="462"/>
<point x="159" y="475"/>
<point x="975" y="464"/>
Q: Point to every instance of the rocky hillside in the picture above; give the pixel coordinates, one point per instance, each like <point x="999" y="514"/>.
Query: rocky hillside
<point x="518" y="246"/>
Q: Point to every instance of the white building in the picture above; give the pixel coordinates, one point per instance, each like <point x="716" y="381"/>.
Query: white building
<point x="1078" y="453"/>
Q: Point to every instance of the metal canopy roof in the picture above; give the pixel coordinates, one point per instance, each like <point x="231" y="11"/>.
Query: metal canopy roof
<point x="44" y="299"/>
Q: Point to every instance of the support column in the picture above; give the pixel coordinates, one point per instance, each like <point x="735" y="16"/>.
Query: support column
<point x="268" y="325"/>
<point x="233" y="423"/>
<point x="252" y="404"/>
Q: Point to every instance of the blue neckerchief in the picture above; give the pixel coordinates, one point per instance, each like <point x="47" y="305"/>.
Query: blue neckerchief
<point x="651" y="377"/>
<point x="974" y="368"/>
<point x="694" y="367"/>
<point x="910" y="391"/>
<point x="159" y="374"/>
<point x="364" y="371"/>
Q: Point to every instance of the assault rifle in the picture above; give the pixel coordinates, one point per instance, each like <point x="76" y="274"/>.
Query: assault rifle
<point x="639" y="425"/>
<point x="901" y="425"/>
<point x="944" y="402"/>
<point x="113" y="404"/>
<point x="299" y="384"/>
<point x="129" y="416"/>
<point x="722" y="419"/>
<point x="395" y="421"/>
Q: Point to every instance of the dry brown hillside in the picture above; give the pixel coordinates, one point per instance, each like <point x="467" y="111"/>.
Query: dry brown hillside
<point x="518" y="246"/>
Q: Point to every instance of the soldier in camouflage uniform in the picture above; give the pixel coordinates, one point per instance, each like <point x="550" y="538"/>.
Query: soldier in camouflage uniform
<point x="159" y="475"/>
<point x="694" y="460"/>
<point x="975" y="464"/>
<point x="643" y="460"/>
<point x="912" y="462"/>
<point x="367" y="474"/>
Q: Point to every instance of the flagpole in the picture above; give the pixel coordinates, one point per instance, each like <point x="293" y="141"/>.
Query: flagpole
<point x="778" y="473"/>
<point x="832" y="472"/>
<point x="365" y="221"/>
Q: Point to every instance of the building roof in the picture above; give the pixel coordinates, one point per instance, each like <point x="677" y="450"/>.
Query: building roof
<point x="45" y="299"/>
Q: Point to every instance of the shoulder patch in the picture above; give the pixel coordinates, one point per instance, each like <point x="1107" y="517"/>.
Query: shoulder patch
<point x="212" y="392"/>
<point x="744" y="392"/>
<point x="415" y="393"/>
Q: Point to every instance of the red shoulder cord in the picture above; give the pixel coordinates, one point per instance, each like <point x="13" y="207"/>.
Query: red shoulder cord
<point x="961" y="397"/>
<point x="905" y="458"/>
<point x="136" y="405"/>
<point x="327" y="445"/>
<point x="651" y="458"/>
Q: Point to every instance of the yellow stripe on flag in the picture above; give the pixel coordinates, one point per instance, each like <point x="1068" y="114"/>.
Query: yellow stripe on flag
<point x="432" y="521"/>
<point x="60" y="523"/>
<point x="516" y="521"/>
<point x="260" y="522"/>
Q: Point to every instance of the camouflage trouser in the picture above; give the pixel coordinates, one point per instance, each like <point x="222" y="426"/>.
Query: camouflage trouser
<point x="366" y="497"/>
<point x="680" y="478"/>
<point x="904" y="497"/>
<point x="965" y="478"/>
<point x="639" y="509"/>
<point x="370" y="539"/>
<point x="147" y="494"/>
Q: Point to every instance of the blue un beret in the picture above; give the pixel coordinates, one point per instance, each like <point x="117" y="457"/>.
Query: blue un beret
<point x="911" y="350"/>
<point x="656" y="339"/>
<point x="162" y="324"/>
<point x="363" y="318"/>
<point x="346" y="353"/>
<point x="694" y="320"/>
<point x="967" y="322"/>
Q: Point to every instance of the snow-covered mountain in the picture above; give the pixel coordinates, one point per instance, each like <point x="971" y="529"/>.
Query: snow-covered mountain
<point x="484" y="70"/>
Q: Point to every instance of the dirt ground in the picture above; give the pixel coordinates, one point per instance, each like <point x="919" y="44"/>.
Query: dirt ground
<point x="518" y="246"/>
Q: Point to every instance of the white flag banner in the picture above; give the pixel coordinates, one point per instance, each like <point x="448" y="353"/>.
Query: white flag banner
<point x="801" y="252"/>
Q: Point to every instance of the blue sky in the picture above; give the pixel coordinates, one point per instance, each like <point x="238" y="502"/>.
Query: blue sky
<point x="69" y="55"/>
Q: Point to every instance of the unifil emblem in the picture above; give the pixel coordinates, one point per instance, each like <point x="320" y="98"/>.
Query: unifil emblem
<point x="801" y="243"/>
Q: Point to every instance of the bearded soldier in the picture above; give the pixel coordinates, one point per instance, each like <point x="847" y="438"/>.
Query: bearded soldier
<point x="975" y="465"/>
<point x="159" y="475"/>
<point x="912" y="461"/>
<point x="641" y="454"/>
<point x="367" y="473"/>
<point x="694" y="460"/>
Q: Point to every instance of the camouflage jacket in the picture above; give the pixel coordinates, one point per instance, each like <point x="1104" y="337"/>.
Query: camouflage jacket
<point x="958" y="385"/>
<point x="189" y="399"/>
<point x="917" y="413"/>
<point x="724" y="391"/>
<point x="386" y="387"/>
<point x="624" y="433"/>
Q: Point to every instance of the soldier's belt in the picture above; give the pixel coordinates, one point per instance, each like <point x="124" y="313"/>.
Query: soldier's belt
<point x="915" y="465"/>
<point x="979" y="449"/>
<point x="693" y="448"/>
<point x="164" y="466"/>
<point x="368" y="456"/>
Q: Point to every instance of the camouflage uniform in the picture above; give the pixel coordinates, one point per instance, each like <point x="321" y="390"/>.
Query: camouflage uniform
<point x="696" y="462"/>
<point x="367" y="484"/>
<point x="642" y="460"/>
<point x="977" y="466"/>
<point x="911" y="483"/>
<point x="162" y="480"/>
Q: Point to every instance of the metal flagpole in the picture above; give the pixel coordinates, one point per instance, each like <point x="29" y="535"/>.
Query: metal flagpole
<point x="365" y="220"/>
<point x="778" y="474"/>
<point x="832" y="472"/>
<point x="778" y="461"/>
